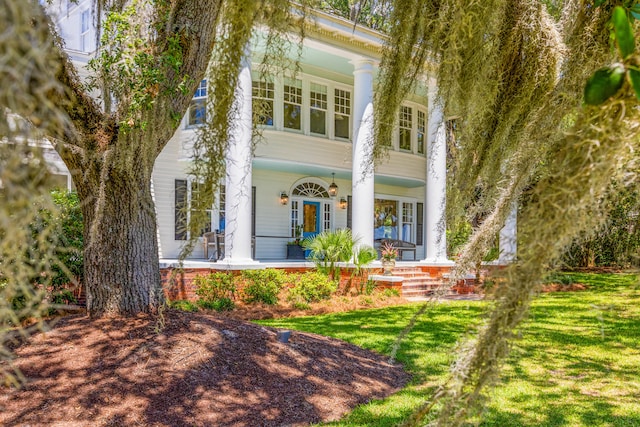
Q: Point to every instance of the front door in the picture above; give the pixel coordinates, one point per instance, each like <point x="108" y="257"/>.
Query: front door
<point x="311" y="219"/>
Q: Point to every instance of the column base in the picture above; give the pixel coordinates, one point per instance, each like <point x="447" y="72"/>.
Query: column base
<point x="238" y="262"/>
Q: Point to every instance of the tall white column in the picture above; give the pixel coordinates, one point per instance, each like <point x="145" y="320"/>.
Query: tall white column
<point x="237" y="238"/>
<point x="436" y="188"/>
<point x="362" y="176"/>
<point x="508" y="238"/>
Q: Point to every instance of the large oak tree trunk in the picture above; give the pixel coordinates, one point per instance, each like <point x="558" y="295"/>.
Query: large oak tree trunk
<point x="122" y="273"/>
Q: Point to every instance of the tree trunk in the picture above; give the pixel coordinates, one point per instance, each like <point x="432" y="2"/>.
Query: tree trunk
<point x="122" y="272"/>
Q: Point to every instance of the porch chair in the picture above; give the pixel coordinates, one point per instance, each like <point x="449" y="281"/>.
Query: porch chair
<point x="210" y="247"/>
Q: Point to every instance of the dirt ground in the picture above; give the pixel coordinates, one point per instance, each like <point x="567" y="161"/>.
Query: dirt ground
<point x="195" y="370"/>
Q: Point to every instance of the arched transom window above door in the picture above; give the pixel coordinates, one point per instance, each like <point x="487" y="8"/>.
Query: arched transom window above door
<point x="311" y="189"/>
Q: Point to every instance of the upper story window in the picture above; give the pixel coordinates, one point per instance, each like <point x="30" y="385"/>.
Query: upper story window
<point x="318" y="109"/>
<point x="198" y="106"/>
<point x="421" y="131"/>
<point x="292" y="107"/>
<point x="85" y="20"/>
<point x="263" y="95"/>
<point x="405" y="123"/>
<point x="342" y="112"/>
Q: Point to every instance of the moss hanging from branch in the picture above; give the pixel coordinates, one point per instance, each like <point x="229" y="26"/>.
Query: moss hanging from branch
<point x="514" y="78"/>
<point x="282" y="25"/>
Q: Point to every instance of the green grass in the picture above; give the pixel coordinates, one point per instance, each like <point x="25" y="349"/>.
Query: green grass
<point x="577" y="363"/>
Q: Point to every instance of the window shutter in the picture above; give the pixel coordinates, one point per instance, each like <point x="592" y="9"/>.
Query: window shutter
<point x="349" y="212"/>
<point x="419" y="224"/>
<point x="253" y="211"/>
<point x="180" y="219"/>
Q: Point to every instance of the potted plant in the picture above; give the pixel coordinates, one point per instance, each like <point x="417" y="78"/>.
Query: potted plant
<point x="388" y="254"/>
<point x="294" y="247"/>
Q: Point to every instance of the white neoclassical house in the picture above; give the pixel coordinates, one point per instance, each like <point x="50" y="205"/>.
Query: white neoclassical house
<point x="310" y="172"/>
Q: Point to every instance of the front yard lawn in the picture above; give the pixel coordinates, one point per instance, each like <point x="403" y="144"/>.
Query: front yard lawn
<point x="577" y="363"/>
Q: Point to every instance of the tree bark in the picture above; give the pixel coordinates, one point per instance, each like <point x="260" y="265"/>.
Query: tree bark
<point x="122" y="274"/>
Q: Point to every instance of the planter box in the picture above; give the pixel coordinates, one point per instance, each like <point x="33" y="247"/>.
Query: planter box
<point x="295" y="252"/>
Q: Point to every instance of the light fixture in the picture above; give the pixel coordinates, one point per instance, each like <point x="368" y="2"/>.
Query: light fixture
<point x="284" y="198"/>
<point x="343" y="203"/>
<point x="333" y="188"/>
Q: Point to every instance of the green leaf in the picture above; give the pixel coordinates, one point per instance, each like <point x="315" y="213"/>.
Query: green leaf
<point x="623" y="32"/>
<point x="603" y="84"/>
<point x="634" y="76"/>
<point x="635" y="15"/>
<point x="598" y="2"/>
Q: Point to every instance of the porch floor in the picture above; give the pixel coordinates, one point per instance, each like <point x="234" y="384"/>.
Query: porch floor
<point x="284" y="263"/>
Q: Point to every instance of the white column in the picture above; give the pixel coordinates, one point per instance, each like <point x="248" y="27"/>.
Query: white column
<point x="237" y="238"/>
<point x="436" y="188"/>
<point x="362" y="177"/>
<point x="508" y="238"/>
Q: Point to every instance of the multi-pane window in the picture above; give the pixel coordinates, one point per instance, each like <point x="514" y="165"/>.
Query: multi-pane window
<point x="221" y="208"/>
<point x="318" y="109"/>
<point x="295" y="218"/>
<point x="342" y="112"/>
<point x="197" y="201"/>
<point x="85" y="20"/>
<point x="263" y="95"/>
<point x="407" y="222"/>
<point x="187" y="194"/>
<point x="406" y="118"/>
<point x="292" y="107"/>
<point x="189" y="203"/>
<point x="198" y="107"/>
<point x="421" y="131"/>
<point x="326" y="217"/>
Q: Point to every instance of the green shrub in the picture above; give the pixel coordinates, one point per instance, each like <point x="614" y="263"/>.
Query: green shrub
<point x="263" y="286"/>
<point x="214" y="287"/>
<point x="562" y="279"/>
<point x="63" y="296"/>
<point x="311" y="287"/>
<point x="183" y="305"/>
<point x="391" y="292"/>
<point x="301" y="305"/>
<point x="221" y="304"/>
<point x="370" y="286"/>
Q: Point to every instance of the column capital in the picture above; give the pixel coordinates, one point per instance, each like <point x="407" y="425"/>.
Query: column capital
<point x="363" y="65"/>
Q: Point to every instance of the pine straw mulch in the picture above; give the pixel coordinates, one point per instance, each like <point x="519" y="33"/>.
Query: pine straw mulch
<point x="198" y="369"/>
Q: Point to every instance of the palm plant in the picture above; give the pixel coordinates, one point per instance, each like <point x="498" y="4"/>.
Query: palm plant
<point x="329" y="248"/>
<point x="362" y="257"/>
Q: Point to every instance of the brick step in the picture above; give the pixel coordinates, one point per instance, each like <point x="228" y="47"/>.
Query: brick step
<point x="421" y="285"/>
<point x="407" y="270"/>
<point x="420" y="279"/>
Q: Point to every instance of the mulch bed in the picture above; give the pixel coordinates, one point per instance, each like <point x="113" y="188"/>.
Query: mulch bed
<point x="196" y="369"/>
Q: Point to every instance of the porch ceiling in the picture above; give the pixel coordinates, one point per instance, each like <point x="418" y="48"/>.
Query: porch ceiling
<point x="306" y="169"/>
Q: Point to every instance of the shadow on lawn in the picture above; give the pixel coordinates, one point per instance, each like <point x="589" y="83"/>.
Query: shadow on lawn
<point x="199" y="370"/>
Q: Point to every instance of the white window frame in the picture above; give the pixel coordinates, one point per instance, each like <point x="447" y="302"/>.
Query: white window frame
<point x="342" y="110"/>
<point x="400" y="202"/>
<point x="406" y="124"/>
<point x="200" y="95"/>
<point x="421" y="129"/>
<point x="292" y="94"/>
<point x="215" y="210"/>
<point x="319" y="104"/>
<point x="85" y="26"/>
<point x="260" y="91"/>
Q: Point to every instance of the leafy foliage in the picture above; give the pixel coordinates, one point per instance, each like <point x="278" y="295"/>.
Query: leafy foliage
<point x="311" y="287"/>
<point x="263" y="286"/>
<point x="515" y="81"/>
<point x="215" y="289"/>
<point x="616" y="242"/>
<point x="329" y="248"/>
